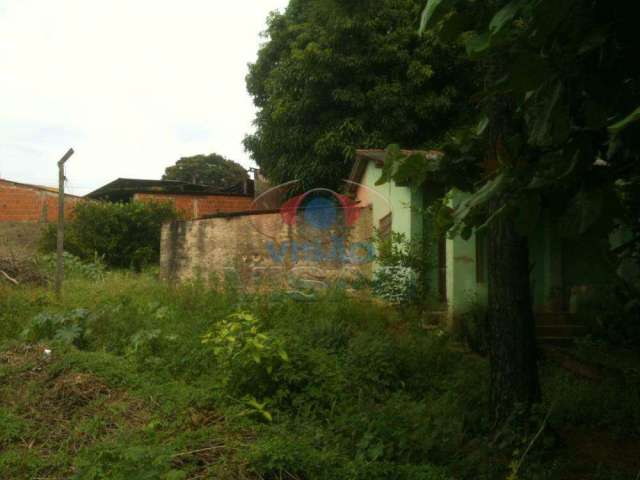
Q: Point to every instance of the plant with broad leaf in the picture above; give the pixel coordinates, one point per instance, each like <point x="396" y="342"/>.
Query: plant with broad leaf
<point x="71" y="328"/>
<point x="247" y="356"/>
<point x="563" y="66"/>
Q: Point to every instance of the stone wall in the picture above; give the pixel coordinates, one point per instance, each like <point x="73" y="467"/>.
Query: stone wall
<point x="261" y="249"/>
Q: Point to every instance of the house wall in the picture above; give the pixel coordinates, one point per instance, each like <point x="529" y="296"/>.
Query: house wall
<point x="390" y="197"/>
<point x="261" y="249"/>
<point x="197" y="206"/>
<point x="405" y="205"/>
<point x="563" y="270"/>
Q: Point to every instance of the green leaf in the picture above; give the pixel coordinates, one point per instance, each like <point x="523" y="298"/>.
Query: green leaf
<point x="479" y="199"/>
<point x="548" y="116"/>
<point x="389" y="167"/>
<point x="504" y="16"/>
<point x="624" y="123"/>
<point x="482" y="126"/>
<point x="433" y="10"/>
<point x="476" y="44"/>
<point x="411" y="170"/>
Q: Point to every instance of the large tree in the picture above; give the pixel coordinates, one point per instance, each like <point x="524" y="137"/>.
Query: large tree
<point x="213" y="169"/>
<point x="334" y="76"/>
<point x="557" y="130"/>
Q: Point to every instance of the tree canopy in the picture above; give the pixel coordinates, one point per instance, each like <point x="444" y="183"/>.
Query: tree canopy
<point x="556" y="130"/>
<point x="213" y="169"/>
<point x="336" y="76"/>
<point x="562" y="68"/>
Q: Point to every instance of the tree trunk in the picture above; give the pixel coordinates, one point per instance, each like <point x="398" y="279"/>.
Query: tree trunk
<point x="514" y="370"/>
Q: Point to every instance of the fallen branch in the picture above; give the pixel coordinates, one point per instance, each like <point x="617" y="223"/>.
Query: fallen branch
<point x="11" y="279"/>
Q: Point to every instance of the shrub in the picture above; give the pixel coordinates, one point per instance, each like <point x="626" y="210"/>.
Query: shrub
<point x="395" y="284"/>
<point x="396" y="250"/>
<point x="122" y="234"/>
<point x="69" y="328"/>
<point x="247" y="357"/>
<point x="74" y="267"/>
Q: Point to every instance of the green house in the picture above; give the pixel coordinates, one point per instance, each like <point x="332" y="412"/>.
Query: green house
<point x="564" y="272"/>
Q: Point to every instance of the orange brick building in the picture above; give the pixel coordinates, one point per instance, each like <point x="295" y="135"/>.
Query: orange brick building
<point x="21" y="202"/>
<point x="191" y="200"/>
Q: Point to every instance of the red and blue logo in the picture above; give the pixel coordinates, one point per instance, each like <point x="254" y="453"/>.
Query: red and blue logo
<point x="322" y="209"/>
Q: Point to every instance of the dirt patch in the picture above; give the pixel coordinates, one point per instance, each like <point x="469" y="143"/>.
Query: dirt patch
<point x="59" y="403"/>
<point x="73" y="390"/>
<point x="15" y="270"/>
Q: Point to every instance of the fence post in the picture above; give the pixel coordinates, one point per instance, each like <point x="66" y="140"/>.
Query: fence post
<point x="60" y="245"/>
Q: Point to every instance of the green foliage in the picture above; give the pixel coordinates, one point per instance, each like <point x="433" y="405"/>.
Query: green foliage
<point x="246" y="357"/>
<point x="333" y="77"/>
<point x="68" y="328"/>
<point x="120" y="234"/>
<point x="361" y="393"/>
<point x="406" y="265"/>
<point x="74" y="266"/>
<point x="395" y="284"/>
<point x="213" y="169"/>
<point x="563" y="110"/>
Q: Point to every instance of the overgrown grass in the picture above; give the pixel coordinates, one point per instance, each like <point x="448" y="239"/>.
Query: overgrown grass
<point x="339" y="388"/>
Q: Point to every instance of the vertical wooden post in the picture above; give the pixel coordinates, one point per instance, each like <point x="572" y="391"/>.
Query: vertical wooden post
<point x="60" y="249"/>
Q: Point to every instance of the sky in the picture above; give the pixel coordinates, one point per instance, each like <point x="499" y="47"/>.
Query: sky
<point x="131" y="85"/>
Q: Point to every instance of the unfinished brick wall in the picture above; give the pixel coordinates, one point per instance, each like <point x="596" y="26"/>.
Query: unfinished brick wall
<point x="26" y="203"/>
<point x="261" y="249"/>
<point x="198" y="206"/>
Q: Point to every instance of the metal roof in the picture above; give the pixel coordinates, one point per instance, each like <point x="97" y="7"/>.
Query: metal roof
<point x="123" y="189"/>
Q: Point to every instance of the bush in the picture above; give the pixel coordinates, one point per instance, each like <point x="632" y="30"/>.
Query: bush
<point x="73" y="267"/>
<point x="122" y="234"/>
<point x="246" y="356"/>
<point x="395" y="284"/>
<point x="416" y="255"/>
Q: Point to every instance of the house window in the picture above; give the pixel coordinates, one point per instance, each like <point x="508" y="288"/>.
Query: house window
<point x="384" y="227"/>
<point x="481" y="257"/>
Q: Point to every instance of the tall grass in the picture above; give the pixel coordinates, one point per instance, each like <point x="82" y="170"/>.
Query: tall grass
<point x="338" y="388"/>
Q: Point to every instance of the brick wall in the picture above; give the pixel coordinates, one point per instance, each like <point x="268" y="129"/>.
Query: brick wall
<point x="26" y="203"/>
<point x="197" y="206"/>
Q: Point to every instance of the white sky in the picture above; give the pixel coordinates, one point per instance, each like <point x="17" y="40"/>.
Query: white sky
<point x="131" y="85"/>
